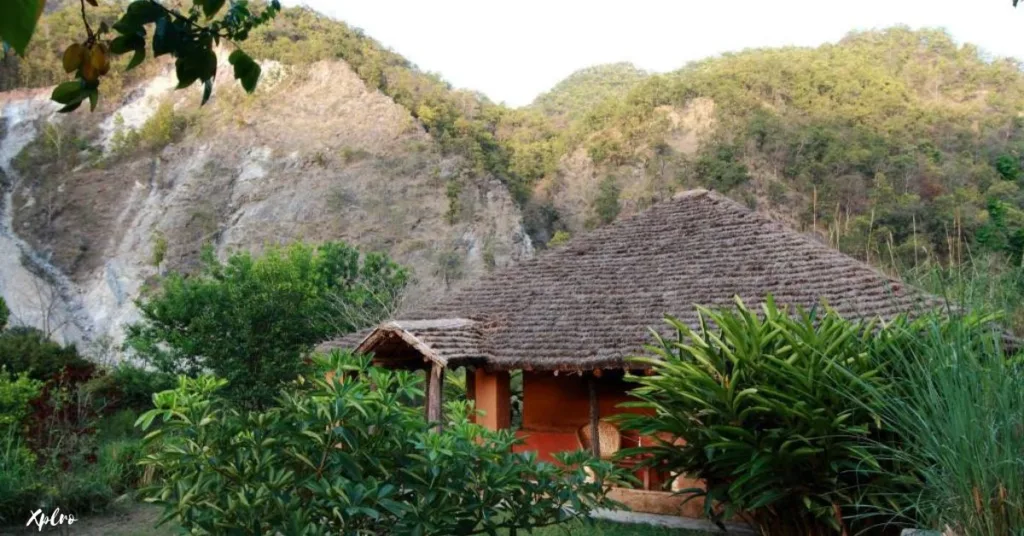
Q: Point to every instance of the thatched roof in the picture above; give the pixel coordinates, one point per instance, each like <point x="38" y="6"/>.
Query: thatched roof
<point x="460" y="341"/>
<point x="589" y="304"/>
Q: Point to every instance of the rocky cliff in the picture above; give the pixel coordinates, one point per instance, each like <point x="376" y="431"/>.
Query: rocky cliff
<point x="314" y="155"/>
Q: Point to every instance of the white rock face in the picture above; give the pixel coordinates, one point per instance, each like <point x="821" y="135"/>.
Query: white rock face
<point x="37" y="293"/>
<point x="312" y="156"/>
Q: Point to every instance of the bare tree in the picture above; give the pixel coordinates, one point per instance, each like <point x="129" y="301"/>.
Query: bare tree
<point x="41" y="306"/>
<point x="362" y="304"/>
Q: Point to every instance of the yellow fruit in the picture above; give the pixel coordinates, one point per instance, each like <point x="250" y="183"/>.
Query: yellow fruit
<point x="89" y="70"/>
<point x="73" y="57"/>
<point x="100" y="58"/>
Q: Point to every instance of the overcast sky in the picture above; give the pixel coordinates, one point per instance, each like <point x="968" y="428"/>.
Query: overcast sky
<point x="514" y="50"/>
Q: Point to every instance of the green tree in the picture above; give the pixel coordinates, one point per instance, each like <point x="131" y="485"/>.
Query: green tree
<point x="606" y="205"/>
<point x="560" y="237"/>
<point x="5" y="313"/>
<point x="253" y="320"/>
<point x="720" y="169"/>
<point x="353" y="457"/>
<point x="159" y="249"/>
<point x="1008" y="167"/>
<point x="28" y="350"/>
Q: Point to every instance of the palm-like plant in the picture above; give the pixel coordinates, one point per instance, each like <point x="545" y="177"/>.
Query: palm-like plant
<point x="757" y="406"/>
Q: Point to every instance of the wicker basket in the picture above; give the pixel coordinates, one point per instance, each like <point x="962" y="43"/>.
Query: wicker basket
<point x="608" y="435"/>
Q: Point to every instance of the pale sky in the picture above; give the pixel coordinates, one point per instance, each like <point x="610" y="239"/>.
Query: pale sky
<point x="514" y="50"/>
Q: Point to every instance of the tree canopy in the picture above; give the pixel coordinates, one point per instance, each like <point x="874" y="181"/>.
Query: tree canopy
<point x="253" y="320"/>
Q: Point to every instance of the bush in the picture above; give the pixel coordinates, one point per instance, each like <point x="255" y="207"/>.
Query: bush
<point x="29" y="350"/>
<point x="135" y="386"/>
<point x="720" y="169"/>
<point x="71" y="457"/>
<point x="253" y="320"/>
<point x="758" y="402"/>
<point x="560" y="237"/>
<point x="15" y="395"/>
<point x="349" y="456"/>
<point x="606" y="204"/>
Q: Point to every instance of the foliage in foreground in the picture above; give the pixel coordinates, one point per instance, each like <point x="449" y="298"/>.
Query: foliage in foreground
<point x="956" y="405"/>
<point x="66" y="434"/>
<point x="349" y="455"/>
<point x="176" y="33"/>
<point x="252" y="320"/>
<point x="761" y="403"/>
<point x="60" y="446"/>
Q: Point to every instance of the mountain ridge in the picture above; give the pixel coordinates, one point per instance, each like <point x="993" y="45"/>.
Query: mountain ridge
<point x="879" y="144"/>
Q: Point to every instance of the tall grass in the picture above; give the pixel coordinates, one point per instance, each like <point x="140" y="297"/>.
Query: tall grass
<point x="985" y="283"/>
<point x="956" y="404"/>
<point x="19" y="481"/>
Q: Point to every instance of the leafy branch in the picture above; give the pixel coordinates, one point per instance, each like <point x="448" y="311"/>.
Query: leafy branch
<point x="177" y="34"/>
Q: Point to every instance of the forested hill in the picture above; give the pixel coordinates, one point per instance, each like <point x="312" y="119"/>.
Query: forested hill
<point x="884" y="140"/>
<point x="585" y="89"/>
<point x="897" y="146"/>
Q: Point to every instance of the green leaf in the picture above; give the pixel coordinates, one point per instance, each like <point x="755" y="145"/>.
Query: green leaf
<point x="207" y="64"/>
<point x="246" y="70"/>
<point x="211" y="7"/>
<point x="94" y="97"/>
<point x="187" y="70"/>
<point x="207" y="90"/>
<point x="123" y="44"/>
<point x="67" y="92"/>
<point x="70" y="107"/>
<point x="165" y="37"/>
<point x="144" y="12"/>
<point x="18" y="23"/>
<point x="138" y="58"/>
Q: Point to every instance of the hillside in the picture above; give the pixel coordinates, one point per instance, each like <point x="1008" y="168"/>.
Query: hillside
<point x="900" y="147"/>
<point x="314" y="155"/>
<point x="882" y="142"/>
<point x="586" y="88"/>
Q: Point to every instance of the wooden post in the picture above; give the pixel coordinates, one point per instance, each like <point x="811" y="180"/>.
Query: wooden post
<point x="471" y="391"/>
<point x="435" y="384"/>
<point x="595" y="415"/>
<point x="493" y="398"/>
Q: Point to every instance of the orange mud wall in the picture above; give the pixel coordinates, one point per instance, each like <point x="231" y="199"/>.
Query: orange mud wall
<point x="555" y="407"/>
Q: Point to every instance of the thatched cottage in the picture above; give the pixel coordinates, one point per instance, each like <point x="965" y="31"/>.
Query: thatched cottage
<point x="569" y="318"/>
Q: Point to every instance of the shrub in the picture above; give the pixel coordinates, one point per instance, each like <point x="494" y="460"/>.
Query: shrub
<point x="24" y="349"/>
<point x="720" y="169"/>
<point x="15" y="394"/>
<point x="757" y="402"/>
<point x="560" y="237"/>
<point x="60" y="462"/>
<point x="5" y="314"/>
<point x="134" y="386"/>
<point x="118" y="465"/>
<point x="349" y="456"/>
<point x="252" y="320"/>
<point x="606" y="205"/>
